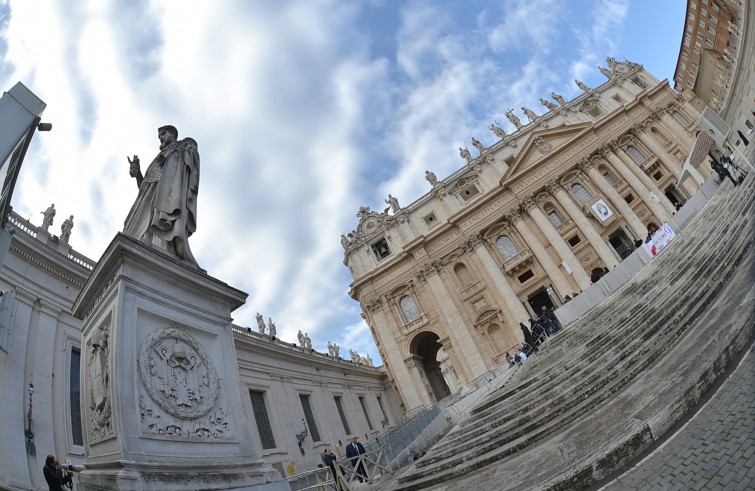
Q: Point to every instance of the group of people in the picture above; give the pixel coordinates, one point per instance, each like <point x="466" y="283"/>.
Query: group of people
<point x="539" y="329"/>
<point x="727" y="168"/>
<point x="353" y="450"/>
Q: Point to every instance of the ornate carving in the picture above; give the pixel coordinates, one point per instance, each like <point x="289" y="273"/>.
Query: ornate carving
<point x="657" y="114"/>
<point x="470" y="244"/>
<point x="584" y="165"/>
<point x="98" y="370"/>
<point x="402" y="218"/>
<point x="428" y="269"/>
<point x="527" y="203"/>
<point x="513" y="216"/>
<point x="374" y="304"/>
<point x="370" y="223"/>
<point x="553" y="186"/>
<point x="543" y="146"/>
<point x="216" y="426"/>
<point x="177" y="373"/>
<point x="636" y="129"/>
<point x="586" y="258"/>
<point x="590" y="102"/>
<point x="605" y="150"/>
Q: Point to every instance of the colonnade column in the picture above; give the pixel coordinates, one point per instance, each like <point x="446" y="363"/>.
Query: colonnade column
<point x="644" y="178"/>
<point x="545" y="260"/>
<point x="470" y="360"/>
<point x="558" y="243"/>
<point x="513" y="305"/>
<point x="607" y="152"/>
<point x="634" y="222"/>
<point x="592" y="236"/>
<point x="412" y="364"/>
<point x="393" y="353"/>
<point x="668" y="161"/>
<point x="675" y="127"/>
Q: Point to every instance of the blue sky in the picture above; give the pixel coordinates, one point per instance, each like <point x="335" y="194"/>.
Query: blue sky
<point x="303" y="111"/>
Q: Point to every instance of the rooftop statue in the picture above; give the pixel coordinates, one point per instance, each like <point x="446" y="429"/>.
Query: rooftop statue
<point x="431" y="177"/>
<point x="548" y="104"/>
<point x="479" y="146"/>
<point x="497" y="130"/>
<point x="164" y="214"/>
<point x="581" y="85"/>
<point x="558" y="98"/>
<point x="513" y="118"/>
<point x="65" y="230"/>
<point x="260" y="323"/>
<point x="47" y="217"/>
<point x="393" y="201"/>
<point x="604" y="71"/>
<point x="530" y="114"/>
<point x="464" y="153"/>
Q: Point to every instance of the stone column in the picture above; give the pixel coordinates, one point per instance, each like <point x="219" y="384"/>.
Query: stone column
<point x="545" y="260"/>
<point x="646" y="180"/>
<point x="583" y="224"/>
<point x="634" y="222"/>
<point x="469" y="359"/>
<point x="675" y="127"/>
<point x="606" y="151"/>
<point x="393" y="354"/>
<point x="513" y="305"/>
<point x="413" y="365"/>
<point x="562" y="248"/>
<point x="668" y="161"/>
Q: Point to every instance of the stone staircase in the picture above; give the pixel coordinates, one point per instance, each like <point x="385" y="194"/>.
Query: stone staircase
<point x="614" y="381"/>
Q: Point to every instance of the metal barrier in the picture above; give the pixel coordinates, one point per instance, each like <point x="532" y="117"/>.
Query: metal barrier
<point x="399" y="438"/>
<point x="375" y="464"/>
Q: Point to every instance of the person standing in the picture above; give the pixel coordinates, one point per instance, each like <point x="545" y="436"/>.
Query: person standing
<point x="54" y="474"/>
<point x="353" y="451"/>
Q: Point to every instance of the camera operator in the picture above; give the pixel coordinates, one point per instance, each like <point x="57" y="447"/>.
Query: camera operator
<point x="55" y="474"/>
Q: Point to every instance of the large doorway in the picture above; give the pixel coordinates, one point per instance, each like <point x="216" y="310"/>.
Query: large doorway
<point x="426" y="347"/>
<point x="540" y="299"/>
<point x="621" y="243"/>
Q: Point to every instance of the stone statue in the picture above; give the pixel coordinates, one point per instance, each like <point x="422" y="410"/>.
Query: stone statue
<point x="479" y="146"/>
<point x="273" y="329"/>
<point x="47" y="217"/>
<point x="355" y="356"/>
<point x="344" y="241"/>
<point x="581" y="85"/>
<point x="604" y="71"/>
<point x="307" y="341"/>
<point x="65" y="230"/>
<point x="548" y="104"/>
<point x="497" y="130"/>
<point x="513" y="118"/>
<point x="464" y="153"/>
<point x="260" y="323"/>
<point x="393" y="201"/>
<point x="335" y="350"/>
<point x="611" y="62"/>
<point x="530" y="114"/>
<point x="558" y="98"/>
<point x="367" y="360"/>
<point x="300" y="337"/>
<point x="431" y="177"/>
<point x="164" y="214"/>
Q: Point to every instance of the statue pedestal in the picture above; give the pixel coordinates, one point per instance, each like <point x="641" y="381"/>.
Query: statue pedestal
<point x="161" y="395"/>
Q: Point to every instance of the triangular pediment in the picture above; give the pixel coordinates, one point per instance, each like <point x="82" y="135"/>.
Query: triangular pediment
<point x="544" y="144"/>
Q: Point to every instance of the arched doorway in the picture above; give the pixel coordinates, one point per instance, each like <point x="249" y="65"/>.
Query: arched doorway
<point x="425" y="346"/>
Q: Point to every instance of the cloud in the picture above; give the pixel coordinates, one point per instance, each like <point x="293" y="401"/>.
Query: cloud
<point x="600" y="39"/>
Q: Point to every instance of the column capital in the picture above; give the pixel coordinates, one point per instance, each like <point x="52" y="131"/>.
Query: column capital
<point x="472" y="243"/>
<point x="513" y="216"/>
<point x="605" y="150"/>
<point x="584" y="165"/>
<point x="657" y="113"/>
<point x="637" y="129"/>
<point x="527" y="203"/>
<point x="428" y="269"/>
<point x="373" y="304"/>
<point x="553" y="186"/>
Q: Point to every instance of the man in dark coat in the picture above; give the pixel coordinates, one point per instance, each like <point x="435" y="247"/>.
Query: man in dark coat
<point x="55" y="476"/>
<point x="528" y="337"/>
<point x="355" y="449"/>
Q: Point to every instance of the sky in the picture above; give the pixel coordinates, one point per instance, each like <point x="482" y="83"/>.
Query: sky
<point x="303" y="112"/>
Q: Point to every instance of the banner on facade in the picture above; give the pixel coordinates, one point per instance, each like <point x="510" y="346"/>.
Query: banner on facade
<point x="659" y="240"/>
<point x="601" y="210"/>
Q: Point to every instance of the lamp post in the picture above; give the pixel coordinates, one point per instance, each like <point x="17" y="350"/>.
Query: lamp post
<point x="28" y="433"/>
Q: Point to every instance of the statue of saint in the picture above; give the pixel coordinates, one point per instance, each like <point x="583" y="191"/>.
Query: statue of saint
<point x="558" y="98"/>
<point x="65" y="230"/>
<point x="164" y="214"/>
<point x="530" y="114"/>
<point x="464" y="153"/>
<point x="273" y="329"/>
<point x="548" y="104"/>
<point x="260" y="323"/>
<point x="497" y="130"/>
<point x="307" y="341"/>
<point x="431" y="177"/>
<point x="581" y="85"/>
<point x="604" y="71"/>
<point x="47" y="217"/>
<point x="479" y="146"/>
<point x="513" y="118"/>
<point x="393" y="201"/>
<point x="300" y="337"/>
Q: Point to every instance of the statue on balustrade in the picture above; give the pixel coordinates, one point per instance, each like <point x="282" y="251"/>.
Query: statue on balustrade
<point x="47" y="217"/>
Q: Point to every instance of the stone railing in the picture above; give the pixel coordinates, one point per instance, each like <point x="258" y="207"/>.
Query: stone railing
<point x="22" y="224"/>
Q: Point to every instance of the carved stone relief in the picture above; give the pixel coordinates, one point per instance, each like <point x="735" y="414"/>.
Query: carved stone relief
<point x="542" y="145"/>
<point x="98" y="370"/>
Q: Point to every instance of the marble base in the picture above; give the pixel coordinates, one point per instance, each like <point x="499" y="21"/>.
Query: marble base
<point x="161" y="394"/>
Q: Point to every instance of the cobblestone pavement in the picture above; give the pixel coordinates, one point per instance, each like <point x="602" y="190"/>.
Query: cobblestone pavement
<point x="714" y="450"/>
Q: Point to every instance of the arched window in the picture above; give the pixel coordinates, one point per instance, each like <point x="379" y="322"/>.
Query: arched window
<point x="464" y="275"/>
<point x="610" y="179"/>
<point x="680" y="117"/>
<point x="580" y="192"/>
<point x="556" y="219"/>
<point x="506" y="247"/>
<point x="635" y="154"/>
<point x="408" y="308"/>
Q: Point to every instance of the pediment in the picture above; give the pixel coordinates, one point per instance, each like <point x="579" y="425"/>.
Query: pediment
<point x="544" y="144"/>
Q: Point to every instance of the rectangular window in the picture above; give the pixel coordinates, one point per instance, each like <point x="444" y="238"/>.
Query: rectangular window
<point x="574" y="240"/>
<point x="701" y="23"/>
<point x="700" y="36"/>
<point x="364" y="410"/>
<point x="525" y="276"/>
<point x="382" y="410"/>
<point x="711" y="31"/>
<point x="263" y="420"/>
<point x="342" y="415"/>
<point x="709" y="43"/>
<point x="77" y="435"/>
<point x="713" y="19"/>
<point x="469" y="192"/>
<point x="629" y="198"/>
<point x="431" y="220"/>
<point x="309" y="417"/>
<point x="715" y="7"/>
<point x="703" y="13"/>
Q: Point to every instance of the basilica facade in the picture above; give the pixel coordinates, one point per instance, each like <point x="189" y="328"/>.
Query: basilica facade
<point x="445" y="282"/>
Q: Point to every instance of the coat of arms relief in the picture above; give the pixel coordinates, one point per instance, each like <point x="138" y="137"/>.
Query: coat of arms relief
<point x="182" y="387"/>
